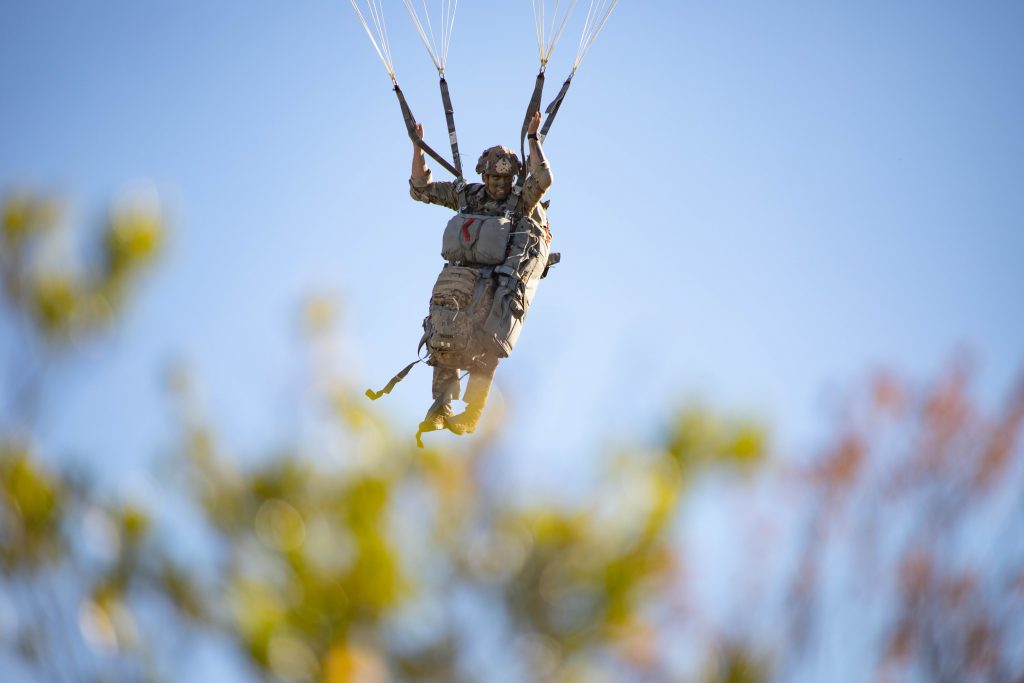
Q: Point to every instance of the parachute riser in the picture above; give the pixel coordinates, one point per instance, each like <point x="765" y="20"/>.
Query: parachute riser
<point x="531" y="109"/>
<point x="410" y="127"/>
<point x="552" y="109"/>
<point x="449" y="115"/>
<point x="512" y="203"/>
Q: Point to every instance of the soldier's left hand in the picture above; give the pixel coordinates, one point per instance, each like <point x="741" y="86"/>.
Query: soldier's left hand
<point x="534" y="124"/>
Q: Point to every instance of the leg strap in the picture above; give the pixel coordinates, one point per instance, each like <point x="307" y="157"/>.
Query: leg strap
<point x="374" y="395"/>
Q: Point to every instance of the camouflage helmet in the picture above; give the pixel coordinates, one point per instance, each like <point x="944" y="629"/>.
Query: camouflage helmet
<point x="498" y="161"/>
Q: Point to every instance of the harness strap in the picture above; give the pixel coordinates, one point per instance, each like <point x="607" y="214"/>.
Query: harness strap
<point x="512" y="203"/>
<point x="410" y="126"/>
<point x="374" y="395"/>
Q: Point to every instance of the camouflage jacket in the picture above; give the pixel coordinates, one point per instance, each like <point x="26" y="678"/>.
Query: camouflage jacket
<point x="478" y="201"/>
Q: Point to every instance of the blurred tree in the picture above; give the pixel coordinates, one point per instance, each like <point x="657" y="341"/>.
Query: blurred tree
<point x="903" y="554"/>
<point x="351" y="557"/>
<point x="381" y="563"/>
<point x="388" y="563"/>
<point x="70" y="560"/>
<point x="53" y="302"/>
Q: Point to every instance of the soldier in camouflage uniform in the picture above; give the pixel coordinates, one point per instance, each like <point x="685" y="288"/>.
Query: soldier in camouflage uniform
<point x="498" y="166"/>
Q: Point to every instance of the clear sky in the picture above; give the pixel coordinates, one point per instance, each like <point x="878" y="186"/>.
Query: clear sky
<point x="757" y="203"/>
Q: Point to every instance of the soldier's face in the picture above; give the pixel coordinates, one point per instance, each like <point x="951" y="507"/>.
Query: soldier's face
<point x="498" y="186"/>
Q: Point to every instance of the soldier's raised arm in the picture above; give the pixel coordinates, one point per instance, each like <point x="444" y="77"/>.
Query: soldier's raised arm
<point x="540" y="177"/>
<point x="420" y="172"/>
<point x="422" y="188"/>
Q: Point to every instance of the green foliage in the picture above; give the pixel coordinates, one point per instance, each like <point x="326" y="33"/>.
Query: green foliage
<point x="70" y="301"/>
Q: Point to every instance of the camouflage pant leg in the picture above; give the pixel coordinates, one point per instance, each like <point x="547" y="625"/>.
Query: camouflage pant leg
<point x="479" y="384"/>
<point x="446" y="380"/>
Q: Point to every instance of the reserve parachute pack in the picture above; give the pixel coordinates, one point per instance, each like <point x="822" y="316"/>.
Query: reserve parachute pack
<point x="477" y="239"/>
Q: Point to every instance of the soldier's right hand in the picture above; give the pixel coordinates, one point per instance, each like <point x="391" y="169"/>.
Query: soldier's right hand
<point x="419" y="130"/>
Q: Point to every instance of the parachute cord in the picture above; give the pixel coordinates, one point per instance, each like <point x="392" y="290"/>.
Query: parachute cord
<point x="383" y="49"/>
<point x="443" y="23"/>
<point x="384" y="31"/>
<point x="537" y="30"/>
<point x="437" y="49"/>
<point x="451" y="29"/>
<point x="586" y="28"/>
<point x="423" y="36"/>
<point x="546" y="47"/>
<point x="543" y="22"/>
<point x="592" y="28"/>
<point x="561" y="27"/>
<point x="433" y="41"/>
<point x="377" y="15"/>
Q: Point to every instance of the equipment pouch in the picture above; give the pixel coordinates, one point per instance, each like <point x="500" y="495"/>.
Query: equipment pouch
<point x="448" y="330"/>
<point x="454" y="288"/>
<point x="477" y="239"/>
<point x="522" y="270"/>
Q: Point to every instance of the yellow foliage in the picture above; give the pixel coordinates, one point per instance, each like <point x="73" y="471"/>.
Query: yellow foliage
<point x="318" y="315"/>
<point x="33" y="496"/>
<point x="134" y="523"/>
<point x="700" y="439"/>
<point x="133" y="239"/>
<point x="54" y="302"/>
<point x="747" y="444"/>
<point x="353" y="664"/>
<point x="257" y="608"/>
<point x="24" y="214"/>
<point x="280" y="526"/>
<point x="16" y="222"/>
<point x="67" y="302"/>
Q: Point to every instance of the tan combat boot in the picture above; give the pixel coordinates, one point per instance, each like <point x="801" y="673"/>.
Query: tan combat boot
<point x="436" y="420"/>
<point x="465" y="422"/>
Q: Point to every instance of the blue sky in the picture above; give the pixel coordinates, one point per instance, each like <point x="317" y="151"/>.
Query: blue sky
<point x="757" y="204"/>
